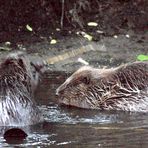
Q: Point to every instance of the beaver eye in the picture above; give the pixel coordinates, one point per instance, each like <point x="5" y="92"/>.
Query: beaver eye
<point x="86" y="80"/>
<point x="20" y="61"/>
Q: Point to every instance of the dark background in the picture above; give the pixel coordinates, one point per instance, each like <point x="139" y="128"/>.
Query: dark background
<point x="44" y="16"/>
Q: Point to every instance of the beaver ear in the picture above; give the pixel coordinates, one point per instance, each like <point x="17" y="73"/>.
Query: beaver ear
<point x="86" y="80"/>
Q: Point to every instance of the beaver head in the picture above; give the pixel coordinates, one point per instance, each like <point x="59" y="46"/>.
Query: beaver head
<point x="18" y="80"/>
<point x="121" y="88"/>
<point x="77" y="89"/>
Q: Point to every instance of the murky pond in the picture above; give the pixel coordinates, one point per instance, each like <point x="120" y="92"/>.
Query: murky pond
<point x="72" y="127"/>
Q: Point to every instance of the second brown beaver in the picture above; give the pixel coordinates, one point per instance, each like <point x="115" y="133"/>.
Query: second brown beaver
<point x="122" y="88"/>
<point x="18" y="80"/>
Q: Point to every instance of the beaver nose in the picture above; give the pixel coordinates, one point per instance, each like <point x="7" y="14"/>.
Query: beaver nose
<point x="59" y="92"/>
<point x="40" y="66"/>
<point x="60" y="89"/>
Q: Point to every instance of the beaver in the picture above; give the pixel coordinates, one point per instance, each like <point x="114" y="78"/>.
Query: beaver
<point x="121" y="88"/>
<point x="18" y="80"/>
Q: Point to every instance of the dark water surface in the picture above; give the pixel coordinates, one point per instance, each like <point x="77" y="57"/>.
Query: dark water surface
<point x="72" y="127"/>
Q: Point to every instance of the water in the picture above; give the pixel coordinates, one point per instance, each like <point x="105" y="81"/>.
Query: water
<point x="72" y="127"/>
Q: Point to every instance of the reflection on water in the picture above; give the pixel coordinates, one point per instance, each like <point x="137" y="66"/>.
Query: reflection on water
<point x="72" y="127"/>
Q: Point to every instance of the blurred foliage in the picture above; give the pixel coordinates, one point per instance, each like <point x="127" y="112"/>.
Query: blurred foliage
<point x="142" y="57"/>
<point x="29" y="28"/>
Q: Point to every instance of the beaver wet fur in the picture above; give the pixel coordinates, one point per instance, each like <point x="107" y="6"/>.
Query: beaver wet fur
<point x="122" y="88"/>
<point x="18" y="80"/>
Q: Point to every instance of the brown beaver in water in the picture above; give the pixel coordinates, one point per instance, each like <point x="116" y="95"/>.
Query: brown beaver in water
<point x="18" y="80"/>
<point x="122" y="88"/>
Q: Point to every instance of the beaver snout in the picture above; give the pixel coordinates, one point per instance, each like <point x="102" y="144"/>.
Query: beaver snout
<point x="40" y="66"/>
<point x="60" y="90"/>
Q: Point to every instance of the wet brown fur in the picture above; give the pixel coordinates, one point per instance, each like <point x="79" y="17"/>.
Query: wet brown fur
<point x="118" y="88"/>
<point x="17" y="84"/>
